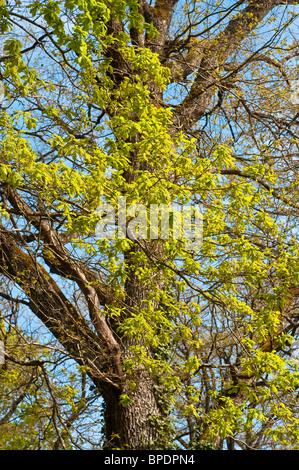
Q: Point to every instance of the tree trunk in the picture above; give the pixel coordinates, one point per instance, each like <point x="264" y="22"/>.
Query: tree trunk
<point x="132" y="426"/>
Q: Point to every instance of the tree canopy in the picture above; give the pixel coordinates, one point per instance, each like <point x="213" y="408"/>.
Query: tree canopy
<point x="118" y="336"/>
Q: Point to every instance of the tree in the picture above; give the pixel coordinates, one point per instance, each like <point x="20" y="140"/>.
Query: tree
<point x="45" y="401"/>
<point x="140" y="106"/>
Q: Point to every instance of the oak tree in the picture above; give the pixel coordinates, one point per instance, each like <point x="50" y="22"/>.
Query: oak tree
<point x="157" y="104"/>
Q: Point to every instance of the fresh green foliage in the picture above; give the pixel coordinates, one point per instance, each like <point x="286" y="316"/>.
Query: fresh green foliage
<point x="94" y="114"/>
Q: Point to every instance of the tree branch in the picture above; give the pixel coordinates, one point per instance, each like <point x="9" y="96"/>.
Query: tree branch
<point x="223" y="45"/>
<point x="49" y="304"/>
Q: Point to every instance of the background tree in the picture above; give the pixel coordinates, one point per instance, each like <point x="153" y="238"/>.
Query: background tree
<point x="46" y="402"/>
<point x="171" y="102"/>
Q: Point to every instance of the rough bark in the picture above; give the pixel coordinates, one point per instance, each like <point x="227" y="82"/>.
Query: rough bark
<point x="97" y="344"/>
<point x="132" y="426"/>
